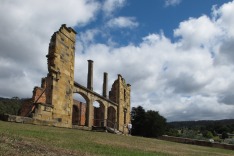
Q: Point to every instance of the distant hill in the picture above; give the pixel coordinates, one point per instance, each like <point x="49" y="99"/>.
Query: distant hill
<point x="191" y="124"/>
<point x="10" y="105"/>
<point x="219" y="126"/>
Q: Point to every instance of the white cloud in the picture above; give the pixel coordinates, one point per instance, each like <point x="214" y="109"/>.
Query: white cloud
<point x="172" y="2"/>
<point x="110" y="6"/>
<point x="84" y="39"/>
<point x="198" y="32"/>
<point x="25" y="34"/>
<point x="123" y="22"/>
<point x="224" y="18"/>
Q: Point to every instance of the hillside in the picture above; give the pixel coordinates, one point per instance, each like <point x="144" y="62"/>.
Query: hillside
<point x="191" y="124"/>
<point x="23" y="139"/>
<point x="214" y="126"/>
<point x="10" y="105"/>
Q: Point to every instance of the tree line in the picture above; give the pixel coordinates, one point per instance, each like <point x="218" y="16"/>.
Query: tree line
<point x="10" y="105"/>
<point x="208" y="128"/>
<point x="147" y="123"/>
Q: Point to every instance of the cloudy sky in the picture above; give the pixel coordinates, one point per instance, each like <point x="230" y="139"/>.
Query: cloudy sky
<point x="178" y="55"/>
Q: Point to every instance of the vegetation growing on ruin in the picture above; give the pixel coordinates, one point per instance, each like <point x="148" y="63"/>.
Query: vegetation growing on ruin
<point x="23" y="139"/>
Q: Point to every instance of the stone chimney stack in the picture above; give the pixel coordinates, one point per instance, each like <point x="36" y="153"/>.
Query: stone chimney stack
<point x="105" y="84"/>
<point x="90" y="75"/>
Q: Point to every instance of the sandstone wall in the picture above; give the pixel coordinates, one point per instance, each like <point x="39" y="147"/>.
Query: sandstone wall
<point x="60" y="79"/>
<point x="120" y="93"/>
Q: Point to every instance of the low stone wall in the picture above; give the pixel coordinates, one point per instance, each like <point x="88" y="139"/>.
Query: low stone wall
<point x="197" y="142"/>
<point x="26" y="120"/>
<point x="14" y="118"/>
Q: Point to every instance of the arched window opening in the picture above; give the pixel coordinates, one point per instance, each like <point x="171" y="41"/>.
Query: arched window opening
<point x="75" y="115"/>
<point x="111" y="117"/>
<point x="79" y="110"/>
<point x="98" y="111"/>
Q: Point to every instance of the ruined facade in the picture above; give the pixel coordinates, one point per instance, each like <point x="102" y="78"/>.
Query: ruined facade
<point x="53" y="102"/>
<point x="120" y="93"/>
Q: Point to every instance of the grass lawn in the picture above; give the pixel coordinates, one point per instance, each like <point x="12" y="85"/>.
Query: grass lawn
<point x="25" y="139"/>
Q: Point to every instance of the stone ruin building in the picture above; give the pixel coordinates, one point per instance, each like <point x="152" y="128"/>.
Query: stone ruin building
<point x="53" y="103"/>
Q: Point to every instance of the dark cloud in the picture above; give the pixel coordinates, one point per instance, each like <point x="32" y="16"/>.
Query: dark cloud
<point x="22" y="51"/>
<point x="227" y="50"/>
<point x="195" y="111"/>
<point x="10" y="72"/>
<point x="185" y="84"/>
<point x="227" y="99"/>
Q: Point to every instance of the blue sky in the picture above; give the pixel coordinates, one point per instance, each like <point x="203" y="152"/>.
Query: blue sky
<point x="153" y="16"/>
<point x="176" y="54"/>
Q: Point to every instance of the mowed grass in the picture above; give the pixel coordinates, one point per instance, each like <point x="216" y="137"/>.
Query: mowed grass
<point x="25" y="139"/>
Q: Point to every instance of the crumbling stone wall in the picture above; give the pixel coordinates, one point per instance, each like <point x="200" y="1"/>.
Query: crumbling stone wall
<point x="120" y="93"/>
<point x="26" y="107"/>
<point x="38" y="96"/>
<point x="60" y="79"/>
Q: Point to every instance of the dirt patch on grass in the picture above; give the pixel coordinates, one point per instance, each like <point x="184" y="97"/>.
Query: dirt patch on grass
<point x="15" y="146"/>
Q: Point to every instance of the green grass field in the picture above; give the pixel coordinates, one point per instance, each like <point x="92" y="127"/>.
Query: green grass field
<point x="25" y="139"/>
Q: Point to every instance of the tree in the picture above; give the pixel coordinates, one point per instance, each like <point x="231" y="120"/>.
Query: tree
<point x="224" y="135"/>
<point x="138" y="119"/>
<point x="148" y="124"/>
<point x="172" y="132"/>
<point x="207" y="134"/>
<point x="155" y="124"/>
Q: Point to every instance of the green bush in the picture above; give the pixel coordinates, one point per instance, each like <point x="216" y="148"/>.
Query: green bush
<point x="207" y="134"/>
<point x="224" y="135"/>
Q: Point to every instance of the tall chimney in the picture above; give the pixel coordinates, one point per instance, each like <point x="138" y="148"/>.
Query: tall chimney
<point x="90" y="75"/>
<point x="105" y="84"/>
